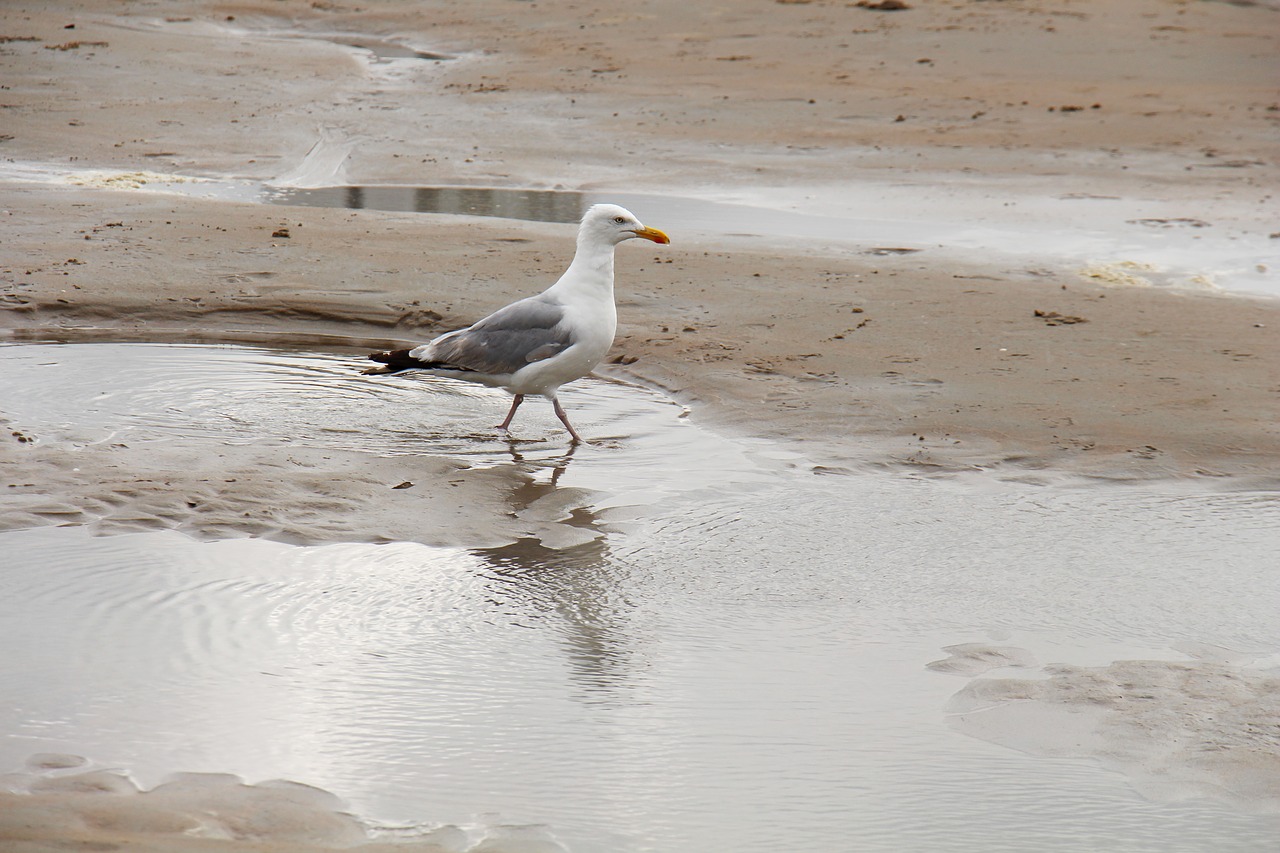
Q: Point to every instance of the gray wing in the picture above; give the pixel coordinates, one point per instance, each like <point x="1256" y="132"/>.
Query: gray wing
<point x="508" y="339"/>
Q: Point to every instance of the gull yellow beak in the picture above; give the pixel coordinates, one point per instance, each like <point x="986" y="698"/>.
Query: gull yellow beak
<point x="652" y="234"/>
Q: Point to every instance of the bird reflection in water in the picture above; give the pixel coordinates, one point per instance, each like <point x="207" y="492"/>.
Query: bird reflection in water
<point x="572" y="589"/>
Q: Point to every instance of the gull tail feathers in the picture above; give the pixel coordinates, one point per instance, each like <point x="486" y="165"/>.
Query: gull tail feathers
<point x="394" y="361"/>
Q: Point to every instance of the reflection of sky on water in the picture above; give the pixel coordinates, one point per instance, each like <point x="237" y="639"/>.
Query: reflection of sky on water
<point x="712" y="651"/>
<point x="723" y="672"/>
<point x="531" y="205"/>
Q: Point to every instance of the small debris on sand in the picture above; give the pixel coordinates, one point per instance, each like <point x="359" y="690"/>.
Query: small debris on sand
<point x="1053" y="318"/>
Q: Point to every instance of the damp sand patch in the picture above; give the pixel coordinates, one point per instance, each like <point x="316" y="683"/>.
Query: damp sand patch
<point x="1177" y="730"/>
<point x="60" y="802"/>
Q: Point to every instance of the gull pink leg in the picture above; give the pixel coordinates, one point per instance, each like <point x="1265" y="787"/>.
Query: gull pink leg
<point x="564" y="419"/>
<point x="515" y="404"/>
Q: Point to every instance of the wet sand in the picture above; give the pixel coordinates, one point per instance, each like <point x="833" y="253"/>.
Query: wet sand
<point x="932" y="362"/>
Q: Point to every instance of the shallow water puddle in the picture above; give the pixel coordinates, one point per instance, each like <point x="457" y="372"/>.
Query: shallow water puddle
<point x="100" y="392"/>
<point x="149" y="415"/>
<point x="563" y="206"/>
<point x="670" y="641"/>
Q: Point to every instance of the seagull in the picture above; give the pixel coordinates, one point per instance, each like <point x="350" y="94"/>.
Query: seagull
<point x="540" y="343"/>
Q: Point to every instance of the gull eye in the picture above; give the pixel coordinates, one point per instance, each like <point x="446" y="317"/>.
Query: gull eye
<point x="621" y="220"/>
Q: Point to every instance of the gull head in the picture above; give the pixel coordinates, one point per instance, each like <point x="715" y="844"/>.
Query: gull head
<point x="611" y="224"/>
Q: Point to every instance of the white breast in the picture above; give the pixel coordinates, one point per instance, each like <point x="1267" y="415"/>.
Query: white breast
<point x="595" y="322"/>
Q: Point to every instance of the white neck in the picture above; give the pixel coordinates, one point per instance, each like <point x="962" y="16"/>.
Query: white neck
<point x="591" y="270"/>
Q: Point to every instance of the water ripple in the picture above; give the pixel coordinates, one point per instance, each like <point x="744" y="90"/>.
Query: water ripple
<point x="239" y="395"/>
<point x="730" y="656"/>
